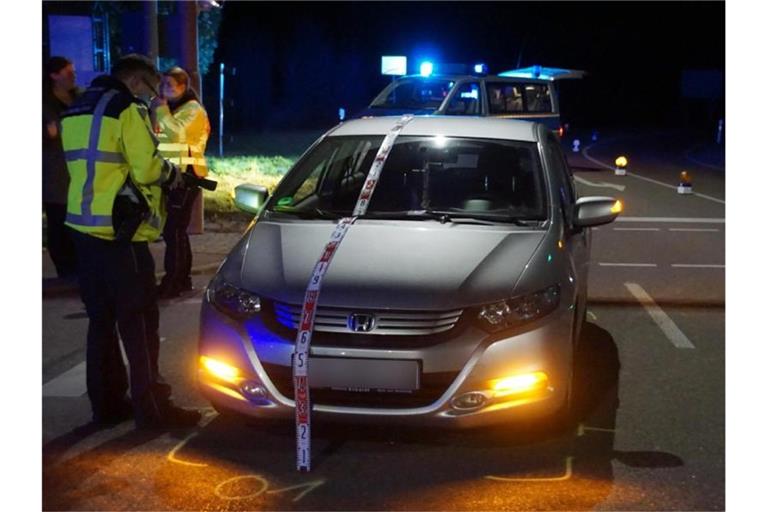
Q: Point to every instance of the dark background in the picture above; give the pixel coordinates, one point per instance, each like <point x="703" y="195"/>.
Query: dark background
<point x="294" y="64"/>
<point x="297" y="63"/>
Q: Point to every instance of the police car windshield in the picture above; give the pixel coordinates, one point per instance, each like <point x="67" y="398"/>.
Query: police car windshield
<point x="414" y="93"/>
<point x="490" y="179"/>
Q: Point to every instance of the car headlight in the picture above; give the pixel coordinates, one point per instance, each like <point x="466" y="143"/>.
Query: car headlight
<point x="520" y="310"/>
<point x="232" y="301"/>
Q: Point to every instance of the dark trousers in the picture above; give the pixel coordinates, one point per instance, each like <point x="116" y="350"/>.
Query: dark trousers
<point x="59" y="238"/>
<point x="178" y="251"/>
<point x="117" y="285"/>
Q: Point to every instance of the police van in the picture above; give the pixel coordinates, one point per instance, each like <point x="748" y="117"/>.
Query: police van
<point x="526" y="93"/>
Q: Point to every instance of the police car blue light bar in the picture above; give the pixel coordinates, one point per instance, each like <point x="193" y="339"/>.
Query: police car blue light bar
<point x="426" y="68"/>
<point x="544" y="73"/>
<point x="481" y="69"/>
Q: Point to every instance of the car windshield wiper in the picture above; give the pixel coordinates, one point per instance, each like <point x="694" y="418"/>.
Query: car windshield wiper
<point x="448" y="216"/>
<point x="485" y="218"/>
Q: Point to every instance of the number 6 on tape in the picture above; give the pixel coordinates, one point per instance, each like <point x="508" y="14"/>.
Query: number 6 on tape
<point x="300" y="359"/>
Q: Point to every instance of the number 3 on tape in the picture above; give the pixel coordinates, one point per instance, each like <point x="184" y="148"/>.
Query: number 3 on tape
<point x="300" y="362"/>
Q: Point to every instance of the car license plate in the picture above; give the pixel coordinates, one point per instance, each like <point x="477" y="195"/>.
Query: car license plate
<point x="364" y="374"/>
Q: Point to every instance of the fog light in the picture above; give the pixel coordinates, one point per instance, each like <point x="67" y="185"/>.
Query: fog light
<point x="253" y="389"/>
<point x="219" y="369"/>
<point x="469" y="401"/>
<point x="521" y="383"/>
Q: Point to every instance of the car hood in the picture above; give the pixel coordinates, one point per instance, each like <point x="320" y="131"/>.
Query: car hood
<point x="389" y="264"/>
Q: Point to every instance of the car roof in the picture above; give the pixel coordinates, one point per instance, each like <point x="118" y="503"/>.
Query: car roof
<point x="495" y="78"/>
<point x="450" y="126"/>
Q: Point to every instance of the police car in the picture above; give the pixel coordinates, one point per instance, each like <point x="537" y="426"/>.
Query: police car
<point x="527" y="93"/>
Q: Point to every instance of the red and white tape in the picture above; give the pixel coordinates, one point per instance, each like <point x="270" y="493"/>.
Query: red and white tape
<point x="300" y="361"/>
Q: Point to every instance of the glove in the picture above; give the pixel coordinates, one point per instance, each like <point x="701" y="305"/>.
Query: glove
<point x="175" y="179"/>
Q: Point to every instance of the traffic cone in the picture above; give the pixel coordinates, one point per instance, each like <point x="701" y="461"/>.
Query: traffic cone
<point x="621" y="166"/>
<point x="685" y="186"/>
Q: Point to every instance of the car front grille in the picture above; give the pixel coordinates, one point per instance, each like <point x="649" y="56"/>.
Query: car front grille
<point x="392" y="323"/>
<point x="432" y="387"/>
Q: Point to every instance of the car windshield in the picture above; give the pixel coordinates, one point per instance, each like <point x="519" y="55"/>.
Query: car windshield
<point x="414" y="93"/>
<point x="423" y="177"/>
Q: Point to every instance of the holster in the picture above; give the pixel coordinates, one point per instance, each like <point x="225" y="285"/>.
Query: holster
<point x="129" y="210"/>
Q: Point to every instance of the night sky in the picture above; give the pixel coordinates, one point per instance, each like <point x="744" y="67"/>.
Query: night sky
<point x="297" y="63"/>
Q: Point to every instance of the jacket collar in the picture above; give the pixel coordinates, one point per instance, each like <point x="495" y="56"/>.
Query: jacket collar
<point x="110" y="82"/>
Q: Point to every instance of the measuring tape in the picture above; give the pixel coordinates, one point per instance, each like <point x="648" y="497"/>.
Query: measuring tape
<point x="300" y="362"/>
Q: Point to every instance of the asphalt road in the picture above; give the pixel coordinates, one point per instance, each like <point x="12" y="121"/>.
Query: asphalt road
<point x="650" y="429"/>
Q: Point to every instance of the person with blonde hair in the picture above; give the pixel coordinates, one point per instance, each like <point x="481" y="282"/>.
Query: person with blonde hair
<point x="182" y="127"/>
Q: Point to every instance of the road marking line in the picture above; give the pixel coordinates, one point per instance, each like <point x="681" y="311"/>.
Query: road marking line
<point x="627" y="264"/>
<point x="258" y="478"/>
<point x="601" y="184"/>
<point x="71" y="384"/>
<point x="172" y="454"/>
<point x="687" y="265"/>
<point x="666" y="324"/>
<point x="566" y="476"/>
<point x="583" y="428"/>
<point x="585" y="154"/>
<point x="680" y="220"/>
<point x="696" y="230"/>
<point x="311" y="486"/>
<point x="636" y="229"/>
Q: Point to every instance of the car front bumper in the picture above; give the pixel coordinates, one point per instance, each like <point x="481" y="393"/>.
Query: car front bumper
<point x="471" y="358"/>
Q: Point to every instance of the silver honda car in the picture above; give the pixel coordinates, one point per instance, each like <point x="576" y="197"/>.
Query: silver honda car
<point x="456" y="299"/>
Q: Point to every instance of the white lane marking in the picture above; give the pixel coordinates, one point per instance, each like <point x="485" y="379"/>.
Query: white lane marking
<point x="585" y="154"/>
<point x="695" y="230"/>
<point x="599" y="184"/>
<point x="566" y="476"/>
<point x="674" y="187"/>
<point x="686" y="265"/>
<point x="71" y="384"/>
<point x="636" y="229"/>
<point x="627" y="264"/>
<point x="666" y="324"/>
<point x="677" y="220"/>
<point x="583" y="428"/>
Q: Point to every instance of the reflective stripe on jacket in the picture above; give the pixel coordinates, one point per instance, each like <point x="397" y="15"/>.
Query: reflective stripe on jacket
<point x="107" y="138"/>
<point x="184" y="134"/>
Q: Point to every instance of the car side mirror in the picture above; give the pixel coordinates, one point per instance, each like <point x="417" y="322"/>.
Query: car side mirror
<point x="250" y="198"/>
<point x="594" y="211"/>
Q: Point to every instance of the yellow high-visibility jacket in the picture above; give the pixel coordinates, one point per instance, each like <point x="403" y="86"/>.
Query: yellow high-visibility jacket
<point x="183" y="135"/>
<point x="107" y="139"/>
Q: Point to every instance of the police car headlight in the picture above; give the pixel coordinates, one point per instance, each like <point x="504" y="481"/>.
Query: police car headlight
<point x="520" y="310"/>
<point x="232" y="301"/>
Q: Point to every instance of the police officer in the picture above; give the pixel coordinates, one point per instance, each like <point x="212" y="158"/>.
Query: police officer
<point x="182" y="130"/>
<point x="115" y="205"/>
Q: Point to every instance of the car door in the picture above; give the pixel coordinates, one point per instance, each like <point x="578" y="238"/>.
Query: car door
<point x="577" y="240"/>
